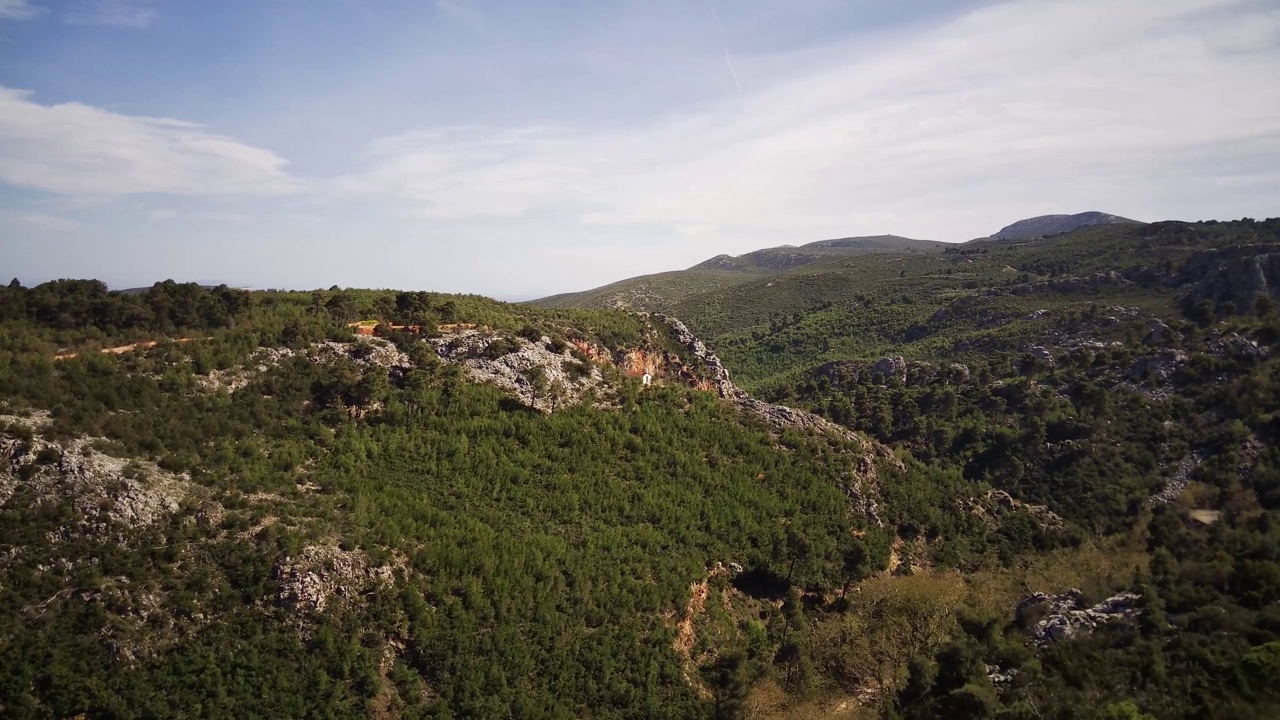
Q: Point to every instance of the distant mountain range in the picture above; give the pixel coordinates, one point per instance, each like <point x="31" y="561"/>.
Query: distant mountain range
<point x="1038" y="227"/>
<point x="786" y="257"/>
<point x="664" y="291"/>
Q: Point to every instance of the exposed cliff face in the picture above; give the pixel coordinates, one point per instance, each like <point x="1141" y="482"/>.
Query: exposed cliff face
<point x="711" y="371"/>
<point x="1237" y="274"/>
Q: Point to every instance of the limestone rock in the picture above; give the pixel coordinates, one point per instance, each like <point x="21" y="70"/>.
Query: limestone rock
<point x="310" y="581"/>
<point x="1065" y="617"/>
<point x="534" y="372"/>
<point x="1237" y="274"/>
<point x="1163" y="366"/>
<point x="891" y="367"/>
<point x="108" y="494"/>
<point x="1043" y="354"/>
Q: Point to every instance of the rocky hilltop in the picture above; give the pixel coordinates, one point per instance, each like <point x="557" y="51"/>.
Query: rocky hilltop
<point x="1037" y="227"/>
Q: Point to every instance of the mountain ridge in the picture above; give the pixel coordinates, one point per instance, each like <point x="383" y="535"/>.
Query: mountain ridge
<point x="1043" y="225"/>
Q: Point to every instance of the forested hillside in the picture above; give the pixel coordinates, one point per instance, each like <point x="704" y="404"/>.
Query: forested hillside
<point x="1013" y="479"/>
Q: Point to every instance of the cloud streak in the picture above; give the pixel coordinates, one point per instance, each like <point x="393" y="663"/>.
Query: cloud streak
<point x="111" y="13"/>
<point x="1011" y="110"/>
<point x="724" y="43"/>
<point x="462" y="12"/>
<point x="18" y="10"/>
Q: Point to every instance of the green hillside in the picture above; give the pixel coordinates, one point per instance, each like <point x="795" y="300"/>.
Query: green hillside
<point x="1010" y="479"/>
<point x="666" y="291"/>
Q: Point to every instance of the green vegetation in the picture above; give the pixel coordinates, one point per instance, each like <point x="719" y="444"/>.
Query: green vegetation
<point x="277" y="519"/>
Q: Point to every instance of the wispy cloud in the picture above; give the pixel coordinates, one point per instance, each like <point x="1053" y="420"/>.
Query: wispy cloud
<point x="1014" y="109"/>
<point x="463" y="12"/>
<point x="946" y="130"/>
<point x="114" y="13"/>
<point x="163" y="215"/>
<point x="75" y="149"/>
<point x="19" y="10"/>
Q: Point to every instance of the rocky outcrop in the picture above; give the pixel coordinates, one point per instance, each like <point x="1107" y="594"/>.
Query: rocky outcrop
<point x="1178" y="481"/>
<point x="534" y="372"/>
<point x="108" y="495"/>
<point x="1237" y="274"/>
<point x="1158" y="332"/>
<point x="1087" y="284"/>
<point x="1044" y="355"/>
<point x="1001" y="503"/>
<point x="367" y="352"/>
<point x="1063" y="616"/>
<point x="1235" y="346"/>
<point x="914" y="373"/>
<point x="237" y="378"/>
<point x="1161" y="367"/>
<point x="310" y="581"/>
<point x="709" y="366"/>
<point x="894" y="367"/>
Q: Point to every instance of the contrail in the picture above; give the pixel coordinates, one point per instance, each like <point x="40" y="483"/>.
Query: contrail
<point x="724" y="41"/>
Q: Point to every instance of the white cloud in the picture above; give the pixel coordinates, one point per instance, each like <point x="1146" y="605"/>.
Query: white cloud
<point x="18" y="10"/>
<point x="163" y="214"/>
<point x="114" y="13"/>
<point x="75" y="149"/>
<point x="948" y="131"/>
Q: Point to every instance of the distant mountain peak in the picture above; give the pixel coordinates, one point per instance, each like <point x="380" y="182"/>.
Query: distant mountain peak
<point x="1043" y="225"/>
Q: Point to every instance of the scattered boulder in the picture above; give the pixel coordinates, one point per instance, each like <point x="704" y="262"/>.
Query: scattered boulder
<point x="1002" y="503"/>
<point x="1064" y="616"/>
<point x="1162" y="367"/>
<point x="1158" y="332"/>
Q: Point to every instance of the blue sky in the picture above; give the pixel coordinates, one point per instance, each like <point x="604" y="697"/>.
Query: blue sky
<point x="518" y="149"/>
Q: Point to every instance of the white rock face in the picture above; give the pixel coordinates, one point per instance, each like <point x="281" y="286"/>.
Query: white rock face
<point x="539" y="376"/>
<point x="310" y="581"/>
<point x="109" y="494"/>
<point x="367" y="352"/>
<point x="1065" y="618"/>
